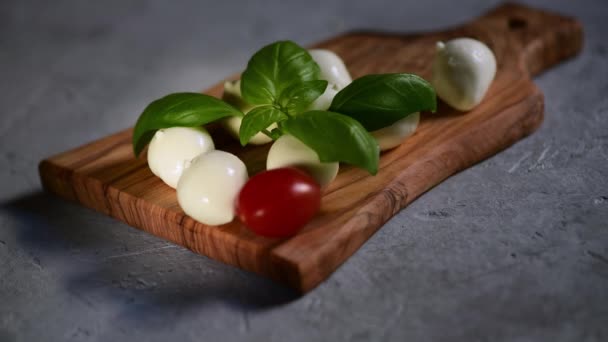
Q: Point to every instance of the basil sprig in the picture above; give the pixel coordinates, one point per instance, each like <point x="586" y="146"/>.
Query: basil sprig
<point x="280" y="83"/>
<point x="284" y="79"/>
<point x="179" y="109"/>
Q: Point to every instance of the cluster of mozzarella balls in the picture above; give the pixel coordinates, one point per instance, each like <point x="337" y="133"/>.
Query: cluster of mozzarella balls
<point x="208" y="180"/>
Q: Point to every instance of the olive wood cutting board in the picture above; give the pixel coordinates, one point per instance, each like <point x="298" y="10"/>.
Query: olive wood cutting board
<point x="105" y="176"/>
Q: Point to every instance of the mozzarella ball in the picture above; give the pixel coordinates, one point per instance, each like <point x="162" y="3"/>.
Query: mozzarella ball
<point x="332" y="67"/>
<point x="232" y="95"/>
<point x="210" y="185"/>
<point x="463" y="70"/>
<point x="288" y="151"/>
<point x="392" y="136"/>
<point x="171" y="148"/>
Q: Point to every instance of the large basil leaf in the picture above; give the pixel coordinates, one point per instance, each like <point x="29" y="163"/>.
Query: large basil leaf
<point x="335" y="138"/>
<point x="377" y="101"/>
<point x="179" y="109"/>
<point x="257" y="120"/>
<point x="275" y="68"/>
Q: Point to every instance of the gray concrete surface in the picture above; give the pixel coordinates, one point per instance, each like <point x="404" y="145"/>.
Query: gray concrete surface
<point x="513" y="249"/>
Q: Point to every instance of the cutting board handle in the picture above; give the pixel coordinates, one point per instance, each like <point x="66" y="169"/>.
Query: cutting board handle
<point x="546" y="38"/>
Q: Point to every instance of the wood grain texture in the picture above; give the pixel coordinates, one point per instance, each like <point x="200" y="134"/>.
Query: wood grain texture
<point x="105" y="176"/>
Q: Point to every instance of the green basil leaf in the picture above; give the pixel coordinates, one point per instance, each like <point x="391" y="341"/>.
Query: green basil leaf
<point x="275" y="68"/>
<point x="276" y="133"/>
<point x="299" y="96"/>
<point x="179" y="109"/>
<point x="377" y="101"/>
<point x="335" y="137"/>
<point x="257" y="120"/>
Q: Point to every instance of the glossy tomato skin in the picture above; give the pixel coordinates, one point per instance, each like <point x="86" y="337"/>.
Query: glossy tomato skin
<point x="278" y="202"/>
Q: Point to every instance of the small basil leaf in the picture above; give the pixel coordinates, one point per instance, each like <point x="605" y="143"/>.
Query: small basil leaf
<point x="276" y="133"/>
<point x="298" y="97"/>
<point x="257" y="120"/>
<point x="179" y="109"/>
<point x="377" y="101"/>
<point x="273" y="69"/>
<point x="335" y="137"/>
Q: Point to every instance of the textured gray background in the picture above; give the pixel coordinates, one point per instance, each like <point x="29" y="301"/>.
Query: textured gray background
<point x="513" y="249"/>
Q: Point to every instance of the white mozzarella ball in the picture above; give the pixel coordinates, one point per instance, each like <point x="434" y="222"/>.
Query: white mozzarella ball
<point x="463" y="70"/>
<point x="232" y="95"/>
<point x="288" y="151"/>
<point x="208" y="188"/>
<point x="392" y="136"/>
<point x="332" y="67"/>
<point x="171" y="148"/>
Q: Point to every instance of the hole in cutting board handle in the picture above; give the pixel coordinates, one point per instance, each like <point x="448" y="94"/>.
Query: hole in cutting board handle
<point x="517" y="23"/>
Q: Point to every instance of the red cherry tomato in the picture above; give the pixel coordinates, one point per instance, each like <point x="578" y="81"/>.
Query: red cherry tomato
<point x="277" y="203"/>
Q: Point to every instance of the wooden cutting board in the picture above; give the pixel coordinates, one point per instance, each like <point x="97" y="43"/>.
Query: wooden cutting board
<point x="105" y="176"/>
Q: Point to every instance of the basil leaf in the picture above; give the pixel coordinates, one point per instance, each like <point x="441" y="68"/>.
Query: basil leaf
<point x="275" y="68"/>
<point x="179" y="109"/>
<point x="257" y="120"/>
<point x="298" y="97"/>
<point x="377" y="101"/>
<point x="276" y="133"/>
<point x="335" y="137"/>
